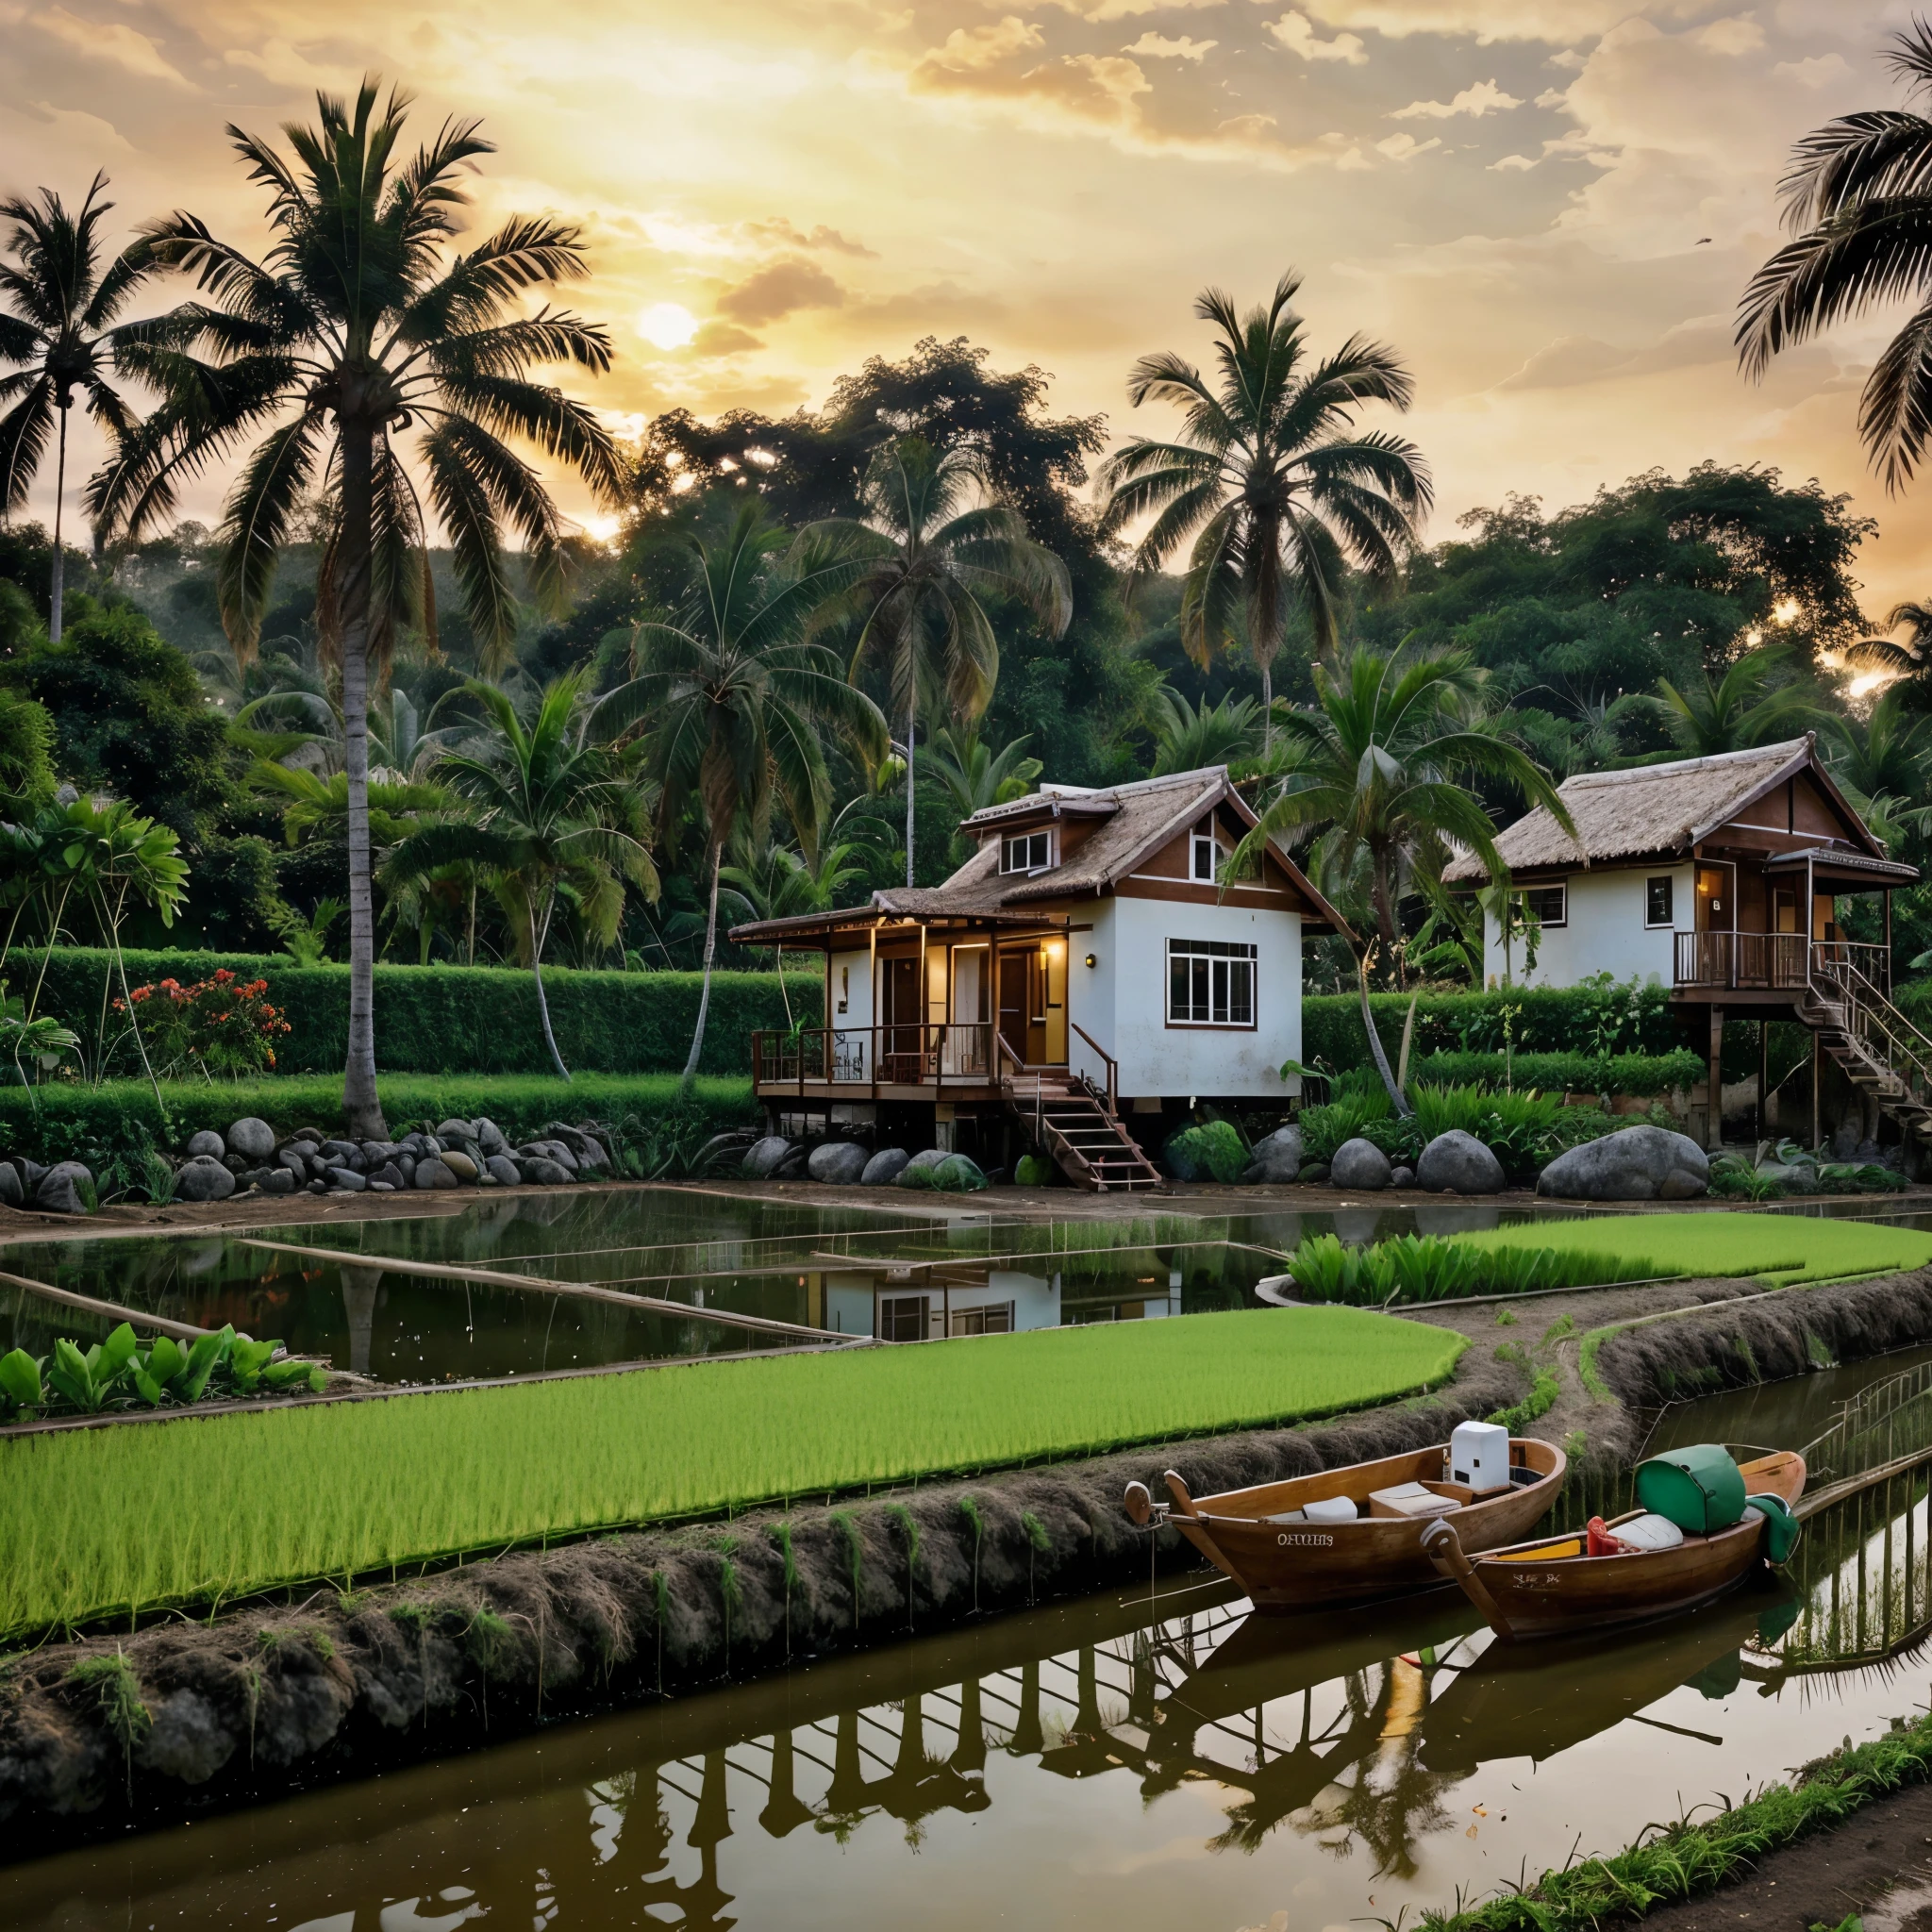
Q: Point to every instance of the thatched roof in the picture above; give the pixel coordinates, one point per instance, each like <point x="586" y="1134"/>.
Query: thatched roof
<point x="1648" y="811"/>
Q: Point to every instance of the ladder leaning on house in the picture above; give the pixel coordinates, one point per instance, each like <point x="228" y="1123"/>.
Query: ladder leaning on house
<point x="1881" y="1052"/>
<point x="1077" y="1125"/>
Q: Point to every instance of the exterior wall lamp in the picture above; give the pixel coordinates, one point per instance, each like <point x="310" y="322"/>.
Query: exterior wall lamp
<point x="1094" y="958"/>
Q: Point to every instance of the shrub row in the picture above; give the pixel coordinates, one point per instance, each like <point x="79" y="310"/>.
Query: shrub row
<point x="1641" y="1073"/>
<point x="1573" y="1020"/>
<point x="92" y="1124"/>
<point x="440" y="1018"/>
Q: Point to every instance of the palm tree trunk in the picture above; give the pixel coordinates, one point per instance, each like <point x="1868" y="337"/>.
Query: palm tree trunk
<point x="697" y="1038"/>
<point x="59" y="493"/>
<point x="1376" y="1050"/>
<point x="1267" y="707"/>
<point x="911" y="725"/>
<point x="361" y="1106"/>
<point x="539" y="935"/>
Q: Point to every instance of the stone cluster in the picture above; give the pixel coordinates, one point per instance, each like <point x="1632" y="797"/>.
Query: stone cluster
<point x="849" y="1163"/>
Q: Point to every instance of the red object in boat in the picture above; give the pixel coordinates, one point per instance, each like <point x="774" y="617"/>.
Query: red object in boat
<point x="1601" y="1543"/>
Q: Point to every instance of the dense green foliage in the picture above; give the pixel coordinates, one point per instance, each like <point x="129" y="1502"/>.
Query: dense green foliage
<point x="110" y="1126"/>
<point x="1435" y="1268"/>
<point x="1523" y="1128"/>
<point x="118" y="1373"/>
<point x="1640" y="1075"/>
<point x="463" y="1020"/>
<point x="427" y="1473"/>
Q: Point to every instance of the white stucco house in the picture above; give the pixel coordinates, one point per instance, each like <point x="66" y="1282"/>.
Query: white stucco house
<point x="1091" y="963"/>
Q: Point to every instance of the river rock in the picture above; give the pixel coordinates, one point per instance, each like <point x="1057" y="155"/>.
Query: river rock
<point x="404" y="1164"/>
<point x="502" y="1170"/>
<point x="585" y="1148"/>
<point x="390" y="1173"/>
<point x="539" y="1170"/>
<point x="489" y="1137"/>
<point x="1402" y="1177"/>
<point x="431" y="1171"/>
<point x="206" y="1142"/>
<point x="1458" y="1163"/>
<point x="59" y="1190"/>
<point x="1359" y="1164"/>
<point x="921" y="1164"/>
<point x="1635" y="1164"/>
<point x="346" y="1180"/>
<point x="552" y="1150"/>
<point x="1314" y="1175"/>
<point x="277" y="1180"/>
<point x="32" y="1174"/>
<point x="456" y="1134"/>
<point x="838" y="1163"/>
<point x="203" y="1179"/>
<point x="762" y="1156"/>
<point x="294" y="1158"/>
<point x="11" y="1192"/>
<point x="460" y="1165"/>
<point x="885" y="1166"/>
<point x="1277" y="1159"/>
<point x="254" y="1138"/>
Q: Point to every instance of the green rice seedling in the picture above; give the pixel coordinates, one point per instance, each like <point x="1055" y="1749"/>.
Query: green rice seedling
<point x="970" y="1510"/>
<point x="424" y="1475"/>
<point x="1505" y="1318"/>
<point x="1431" y="1268"/>
<point x="855" y="1555"/>
<point x="909" y="1528"/>
<point x="1037" y="1541"/>
<point x="117" y="1695"/>
<point x="781" y="1535"/>
<point x="731" y="1601"/>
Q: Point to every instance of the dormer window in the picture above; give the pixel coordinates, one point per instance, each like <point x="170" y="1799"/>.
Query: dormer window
<point x="1028" y="852"/>
<point x="1204" y="859"/>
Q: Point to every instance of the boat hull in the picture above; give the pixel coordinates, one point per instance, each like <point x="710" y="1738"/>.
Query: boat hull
<point x="1307" y="1565"/>
<point x="1540" y="1595"/>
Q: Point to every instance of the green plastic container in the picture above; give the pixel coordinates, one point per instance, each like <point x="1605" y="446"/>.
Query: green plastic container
<point x="1699" y="1488"/>
<point x="1780" y="1528"/>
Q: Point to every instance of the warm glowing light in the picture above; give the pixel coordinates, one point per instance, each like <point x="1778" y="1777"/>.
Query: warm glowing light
<point x="1754" y="638"/>
<point x="603" y="529"/>
<point x="1785" y="611"/>
<point x="668" y="324"/>
<point x="1868" y="682"/>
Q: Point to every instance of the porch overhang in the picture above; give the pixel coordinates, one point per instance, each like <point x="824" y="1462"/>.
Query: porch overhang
<point x="1858" y="872"/>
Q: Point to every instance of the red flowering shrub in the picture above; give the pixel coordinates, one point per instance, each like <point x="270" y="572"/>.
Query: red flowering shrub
<point x="223" y="1025"/>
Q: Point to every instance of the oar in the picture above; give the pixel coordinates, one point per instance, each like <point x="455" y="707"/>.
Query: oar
<point x="1443" y="1548"/>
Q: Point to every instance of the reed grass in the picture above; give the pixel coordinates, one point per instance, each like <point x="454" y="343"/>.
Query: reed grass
<point x="346" y="1489"/>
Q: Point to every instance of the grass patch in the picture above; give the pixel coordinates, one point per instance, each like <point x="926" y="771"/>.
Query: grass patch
<point x="1782" y="1251"/>
<point x="1433" y="1268"/>
<point x="338" y="1489"/>
<point x="1691" y="1857"/>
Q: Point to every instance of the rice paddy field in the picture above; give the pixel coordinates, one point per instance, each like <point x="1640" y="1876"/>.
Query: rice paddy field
<point x="97" y="1521"/>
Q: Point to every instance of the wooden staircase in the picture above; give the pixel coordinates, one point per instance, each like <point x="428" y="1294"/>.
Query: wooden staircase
<point x="1881" y="1052"/>
<point x="1074" y="1124"/>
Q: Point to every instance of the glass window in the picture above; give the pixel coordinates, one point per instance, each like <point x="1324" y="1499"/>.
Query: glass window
<point x="1657" y="902"/>
<point x="1210" y="983"/>
<point x="903" y="1318"/>
<point x="1203" y="862"/>
<point x="1026" y="852"/>
<point x="996" y="1319"/>
<point x="1547" y="905"/>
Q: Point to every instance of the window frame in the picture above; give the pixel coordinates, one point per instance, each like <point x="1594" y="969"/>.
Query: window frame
<point x="1048" y="843"/>
<point x="1669" y="882"/>
<point x="1531" y="892"/>
<point x="1195" y="841"/>
<point x="1205" y="955"/>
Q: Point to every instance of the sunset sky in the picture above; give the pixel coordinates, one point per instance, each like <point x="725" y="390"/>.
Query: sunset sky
<point x="1550" y="206"/>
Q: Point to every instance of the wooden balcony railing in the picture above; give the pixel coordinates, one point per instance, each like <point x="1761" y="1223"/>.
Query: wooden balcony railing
<point x="1770" y="961"/>
<point x="955" y="1052"/>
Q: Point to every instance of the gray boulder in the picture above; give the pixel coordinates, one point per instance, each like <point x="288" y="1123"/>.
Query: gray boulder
<point x="277" y="1180"/>
<point x="489" y="1137"/>
<point x="203" y="1179"/>
<point x="838" y="1163"/>
<point x="1634" y="1164"/>
<point x="585" y="1148"/>
<point x="1458" y="1163"/>
<point x="1403" y="1177"/>
<point x="455" y="1132"/>
<point x="502" y="1170"/>
<point x="293" y="1159"/>
<point x="764" y="1156"/>
<point x="921" y="1163"/>
<point x="1278" y="1159"/>
<point x="552" y="1150"/>
<point x="404" y="1164"/>
<point x="346" y="1180"/>
<point x="252" y="1139"/>
<point x="885" y="1166"/>
<point x="539" y="1170"/>
<point x="32" y="1172"/>
<point x="1360" y="1163"/>
<point x="59" y="1190"/>
<point x="1314" y="1175"/>
<point x="460" y="1165"/>
<point x="206" y="1142"/>
<point x="431" y="1172"/>
<point x="389" y="1175"/>
<point x="11" y="1192"/>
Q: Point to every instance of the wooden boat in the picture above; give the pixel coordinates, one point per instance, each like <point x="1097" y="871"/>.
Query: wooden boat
<point x="1551" y="1586"/>
<point x="1300" y="1565"/>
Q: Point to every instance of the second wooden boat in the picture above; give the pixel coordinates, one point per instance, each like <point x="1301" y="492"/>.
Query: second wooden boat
<point x="1553" y="1585"/>
<point x="1262" y="1537"/>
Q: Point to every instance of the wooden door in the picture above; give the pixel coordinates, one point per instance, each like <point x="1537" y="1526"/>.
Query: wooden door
<point x="1013" y="1001"/>
<point x="900" y="1011"/>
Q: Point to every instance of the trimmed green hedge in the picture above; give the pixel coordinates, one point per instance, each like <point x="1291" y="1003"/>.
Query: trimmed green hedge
<point x="1547" y="1020"/>
<point x="460" y="1019"/>
<point x="1639" y="1074"/>
<point x="91" y="1124"/>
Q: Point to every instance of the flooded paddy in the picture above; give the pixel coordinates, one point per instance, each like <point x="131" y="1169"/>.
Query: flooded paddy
<point x="1127" y="1761"/>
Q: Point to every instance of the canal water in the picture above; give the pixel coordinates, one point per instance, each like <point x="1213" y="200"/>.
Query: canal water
<point x="1132" y="1760"/>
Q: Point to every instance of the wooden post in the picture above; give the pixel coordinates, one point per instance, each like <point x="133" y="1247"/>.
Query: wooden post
<point x="1888" y="942"/>
<point x="1763" y="1079"/>
<point x="1714" y="1132"/>
<point x="1817" y="1081"/>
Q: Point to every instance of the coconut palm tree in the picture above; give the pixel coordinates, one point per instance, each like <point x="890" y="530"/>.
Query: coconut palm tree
<point x="1857" y="198"/>
<point x="358" y="327"/>
<point x="61" y="338"/>
<point x="1270" y="478"/>
<point x="1188" y="737"/>
<point x="555" y="810"/>
<point x="1746" y="707"/>
<point x="1380" y="767"/>
<point x="930" y="551"/>
<point x="973" y="775"/>
<point x="736" y="697"/>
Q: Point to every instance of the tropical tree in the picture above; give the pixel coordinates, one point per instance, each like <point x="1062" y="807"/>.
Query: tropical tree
<point x="359" y="326"/>
<point x="973" y="774"/>
<point x="1270" y="478"/>
<point x="1380" y="769"/>
<point x="736" y="697"/>
<point x="930" y="551"/>
<point x="1746" y="707"/>
<point x="1188" y="737"/>
<point x="555" y="812"/>
<point x="1889" y="751"/>
<point x="60" y="335"/>
<point x="1857" y="197"/>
